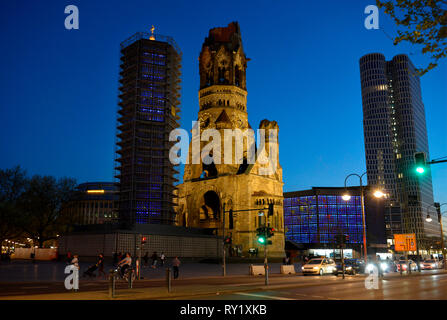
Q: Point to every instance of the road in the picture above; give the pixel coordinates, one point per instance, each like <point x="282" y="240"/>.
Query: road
<point x="430" y="287"/>
<point x="200" y="281"/>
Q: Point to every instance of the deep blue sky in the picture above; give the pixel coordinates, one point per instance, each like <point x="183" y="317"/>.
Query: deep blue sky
<point x="59" y="87"/>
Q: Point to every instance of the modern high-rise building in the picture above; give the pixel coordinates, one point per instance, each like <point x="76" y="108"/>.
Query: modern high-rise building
<point x="394" y="129"/>
<point x="149" y="98"/>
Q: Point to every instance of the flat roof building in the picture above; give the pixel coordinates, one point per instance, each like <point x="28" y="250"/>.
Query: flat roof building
<point x="315" y="217"/>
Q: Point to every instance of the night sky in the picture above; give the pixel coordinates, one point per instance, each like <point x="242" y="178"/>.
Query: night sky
<point x="59" y="87"/>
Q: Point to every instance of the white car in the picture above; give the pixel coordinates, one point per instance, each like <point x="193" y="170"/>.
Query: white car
<point x="430" y="264"/>
<point x="320" y="266"/>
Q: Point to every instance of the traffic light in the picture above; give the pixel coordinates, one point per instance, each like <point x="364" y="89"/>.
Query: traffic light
<point x="227" y="240"/>
<point x="270" y="209"/>
<point x="346" y="238"/>
<point x="261" y="234"/>
<point x="270" y="232"/>
<point x="143" y="240"/>
<point x="420" y="161"/>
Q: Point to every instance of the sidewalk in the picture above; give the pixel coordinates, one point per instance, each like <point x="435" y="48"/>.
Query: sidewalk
<point x="185" y="291"/>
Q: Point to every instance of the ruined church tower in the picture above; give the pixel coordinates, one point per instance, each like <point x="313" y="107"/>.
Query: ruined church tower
<point x="240" y="185"/>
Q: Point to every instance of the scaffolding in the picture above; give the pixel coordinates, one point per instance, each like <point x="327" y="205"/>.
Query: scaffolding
<point x="148" y="110"/>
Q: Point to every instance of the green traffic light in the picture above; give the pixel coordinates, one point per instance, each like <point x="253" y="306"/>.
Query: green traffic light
<point x="420" y="170"/>
<point x="261" y="240"/>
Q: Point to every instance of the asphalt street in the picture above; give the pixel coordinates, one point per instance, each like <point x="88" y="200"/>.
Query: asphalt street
<point x="431" y="287"/>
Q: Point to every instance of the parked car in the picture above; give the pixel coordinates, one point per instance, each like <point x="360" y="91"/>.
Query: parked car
<point x="430" y="264"/>
<point x="403" y="263"/>
<point x="319" y="266"/>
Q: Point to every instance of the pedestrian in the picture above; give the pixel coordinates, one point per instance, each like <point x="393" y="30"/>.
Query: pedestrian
<point x="162" y="258"/>
<point x="115" y="258"/>
<point x="146" y="258"/>
<point x="175" y="266"/>
<point x="69" y="257"/>
<point x="75" y="262"/>
<point x="154" y="258"/>
<point x="100" y="265"/>
<point x="120" y="256"/>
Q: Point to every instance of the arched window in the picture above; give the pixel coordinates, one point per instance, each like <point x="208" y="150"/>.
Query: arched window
<point x="237" y="76"/>
<point x="221" y="75"/>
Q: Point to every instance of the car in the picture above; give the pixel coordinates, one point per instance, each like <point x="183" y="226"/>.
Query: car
<point x="352" y="266"/>
<point x="319" y="266"/>
<point x="385" y="266"/>
<point x="430" y="264"/>
<point x="404" y="264"/>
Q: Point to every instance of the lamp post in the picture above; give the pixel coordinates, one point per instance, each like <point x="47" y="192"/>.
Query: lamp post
<point x="346" y="197"/>
<point x="429" y="219"/>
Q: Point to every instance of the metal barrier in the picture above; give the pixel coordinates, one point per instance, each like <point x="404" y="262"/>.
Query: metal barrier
<point x="168" y="279"/>
<point x="129" y="277"/>
<point x="112" y="283"/>
<point x="112" y="280"/>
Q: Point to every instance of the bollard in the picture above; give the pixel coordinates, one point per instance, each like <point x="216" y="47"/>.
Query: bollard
<point x="168" y="279"/>
<point x="112" y="283"/>
<point x="129" y="273"/>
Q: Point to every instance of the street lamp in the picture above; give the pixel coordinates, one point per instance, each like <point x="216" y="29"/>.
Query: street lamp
<point x="429" y="219"/>
<point x="347" y="197"/>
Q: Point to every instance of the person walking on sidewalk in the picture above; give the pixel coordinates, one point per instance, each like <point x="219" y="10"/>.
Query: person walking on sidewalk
<point x="146" y="259"/>
<point x="100" y="265"/>
<point x="162" y="258"/>
<point x="175" y="266"/>
<point x="154" y="259"/>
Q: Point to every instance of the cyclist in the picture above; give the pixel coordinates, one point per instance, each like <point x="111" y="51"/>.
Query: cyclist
<point x="125" y="264"/>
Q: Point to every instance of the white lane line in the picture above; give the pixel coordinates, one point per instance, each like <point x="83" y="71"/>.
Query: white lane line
<point x="262" y="296"/>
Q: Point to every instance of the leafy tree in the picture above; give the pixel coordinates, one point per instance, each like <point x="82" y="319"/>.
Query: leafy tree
<point x="12" y="185"/>
<point x="421" y="22"/>
<point x="43" y="205"/>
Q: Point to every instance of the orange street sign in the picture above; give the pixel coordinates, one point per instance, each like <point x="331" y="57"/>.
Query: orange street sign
<point x="405" y="242"/>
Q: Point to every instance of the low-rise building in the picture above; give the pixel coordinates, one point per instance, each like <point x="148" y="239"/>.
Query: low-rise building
<point x="315" y="218"/>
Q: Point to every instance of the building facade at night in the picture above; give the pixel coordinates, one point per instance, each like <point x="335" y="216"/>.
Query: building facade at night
<point x="95" y="203"/>
<point x="313" y="219"/>
<point x="149" y="98"/>
<point x="209" y="188"/>
<point x="394" y="129"/>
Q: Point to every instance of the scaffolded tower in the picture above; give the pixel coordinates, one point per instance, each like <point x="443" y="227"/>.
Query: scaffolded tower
<point x="148" y="111"/>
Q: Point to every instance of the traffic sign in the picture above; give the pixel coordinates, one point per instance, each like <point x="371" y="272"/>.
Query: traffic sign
<point x="405" y="242"/>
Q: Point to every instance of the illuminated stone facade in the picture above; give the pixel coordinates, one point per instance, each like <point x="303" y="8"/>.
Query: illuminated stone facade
<point x="208" y="188"/>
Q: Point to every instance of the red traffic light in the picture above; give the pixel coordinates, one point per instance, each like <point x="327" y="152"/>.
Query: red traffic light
<point x="143" y="240"/>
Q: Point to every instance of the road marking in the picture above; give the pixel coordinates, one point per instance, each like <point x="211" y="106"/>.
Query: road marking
<point x="262" y="296"/>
